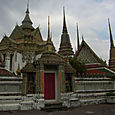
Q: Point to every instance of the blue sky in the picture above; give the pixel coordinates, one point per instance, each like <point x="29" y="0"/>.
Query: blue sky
<point x="91" y="15"/>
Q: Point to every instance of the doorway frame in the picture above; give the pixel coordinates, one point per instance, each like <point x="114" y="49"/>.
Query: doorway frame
<point x="56" y="86"/>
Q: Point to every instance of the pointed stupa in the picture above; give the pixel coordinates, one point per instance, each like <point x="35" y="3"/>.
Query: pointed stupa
<point x="27" y="23"/>
<point x="65" y="49"/>
<point x="111" y="37"/>
<point x="77" y="38"/>
<point x="64" y="22"/>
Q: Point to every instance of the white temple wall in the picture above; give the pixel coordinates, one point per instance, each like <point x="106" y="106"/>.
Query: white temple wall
<point x="93" y="85"/>
<point x="14" y="60"/>
<point x="38" y="56"/>
<point x="17" y="60"/>
<point x="7" y="62"/>
<point x="114" y="84"/>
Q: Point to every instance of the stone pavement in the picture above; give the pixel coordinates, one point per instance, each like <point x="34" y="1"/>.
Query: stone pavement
<point x="102" y="109"/>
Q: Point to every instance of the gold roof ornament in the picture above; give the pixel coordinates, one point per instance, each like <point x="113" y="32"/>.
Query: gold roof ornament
<point x="18" y="71"/>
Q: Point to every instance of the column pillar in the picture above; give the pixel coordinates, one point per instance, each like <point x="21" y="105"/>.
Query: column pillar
<point x="37" y="82"/>
<point x="24" y="89"/>
<point x="73" y="80"/>
<point x="42" y="77"/>
<point x="61" y="78"/>
<point x="7" y="61"/>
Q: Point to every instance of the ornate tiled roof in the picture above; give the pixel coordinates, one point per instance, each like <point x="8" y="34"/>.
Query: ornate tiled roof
<point x="27" y="23"/>
<point x="87" y="55"/>
<point x="50" y="58"/>
<point x="69" y="69"/>
<point x="17" y="33"/>
<point x="101" y="71"/>
<point x="29" y="67"/>
<point x="4" y="72"/>
<point x="24" y="38"/>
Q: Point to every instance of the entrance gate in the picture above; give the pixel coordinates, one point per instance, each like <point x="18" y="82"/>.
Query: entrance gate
<point x="49" y="86"/>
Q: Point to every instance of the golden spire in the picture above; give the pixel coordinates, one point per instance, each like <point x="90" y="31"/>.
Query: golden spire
<point x="18" y="71"/>
<point x="48" y="27"/>
<point x="49" y="37"/>
<point x="82" y="38"/>
<point x="28" y="4"/>
<point x="64" y="22"/>
<point x="111" y="37"/>
<point x="77" y="37"/>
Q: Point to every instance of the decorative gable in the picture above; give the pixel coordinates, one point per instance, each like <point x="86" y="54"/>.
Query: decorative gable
<point x="37" y="35"/>
<point x="17" y="33"/>
<point x="87" y="55"/>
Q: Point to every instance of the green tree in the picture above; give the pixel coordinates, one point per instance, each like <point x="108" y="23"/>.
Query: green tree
<point x="78" y="65"/>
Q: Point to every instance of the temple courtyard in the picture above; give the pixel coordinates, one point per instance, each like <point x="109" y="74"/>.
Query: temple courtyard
<point x="101" y="109"/>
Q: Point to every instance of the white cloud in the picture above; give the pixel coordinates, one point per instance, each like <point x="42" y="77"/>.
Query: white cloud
<point x="90" y="14"/>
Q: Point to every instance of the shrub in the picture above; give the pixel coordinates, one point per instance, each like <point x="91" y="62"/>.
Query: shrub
<point x="110" y="94"/>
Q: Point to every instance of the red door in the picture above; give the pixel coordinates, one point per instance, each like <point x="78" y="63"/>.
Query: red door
<point x="49" y="86"/>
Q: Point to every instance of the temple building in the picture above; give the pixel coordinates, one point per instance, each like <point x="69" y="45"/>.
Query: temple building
<point x="86" y="55"/>
<point x="34" y="76"/>
<point x="98" y="77"/>
<point x="24" y="45"/>
<point x="44" y="71"/>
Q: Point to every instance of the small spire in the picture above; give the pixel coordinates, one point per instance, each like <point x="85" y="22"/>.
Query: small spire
<point x="27" y="11"/>
<point x="28" y="4"/>
<point x="111" y="37"/>
<point x="82" y="38"/>
<point x="77" y="37"/>
<point x="5" y="36"/>
<point x="48" y="27"/>
<point x="64" y="22"/>
<point x="27" y="23"/>
<point x="49" y="38"/>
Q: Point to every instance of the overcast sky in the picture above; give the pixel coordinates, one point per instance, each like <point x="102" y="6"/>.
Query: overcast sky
<point x="91" y="15"/>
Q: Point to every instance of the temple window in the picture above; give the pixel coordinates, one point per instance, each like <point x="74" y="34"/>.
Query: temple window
<point x="11" y="58"/>
<point x="4" y="57"/>
<point x="68" y="82"/>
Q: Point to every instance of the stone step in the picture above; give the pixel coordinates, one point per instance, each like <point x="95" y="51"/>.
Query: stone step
<point x="54" y="107"/>
<point x="10" y="97"/>
<point x="95" y="91"/>
<point x="53" y="104"/>
<point x="74" y="102"/>
<point x="92" y="101"/>
<point x="81" y="95"/>
<point x="27" y="105"/>
<point x="9" y="101"/>
<point x="10" y="93"/>
<point x="8" y="107"/>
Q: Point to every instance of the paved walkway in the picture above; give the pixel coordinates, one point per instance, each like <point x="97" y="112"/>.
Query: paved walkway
<point x="102" y="109"/>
